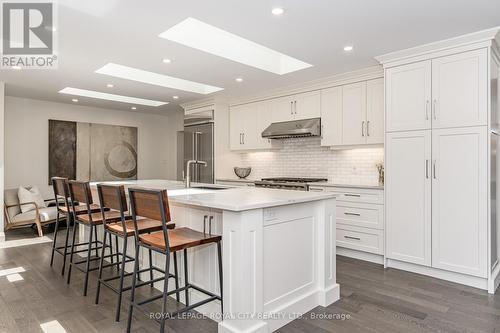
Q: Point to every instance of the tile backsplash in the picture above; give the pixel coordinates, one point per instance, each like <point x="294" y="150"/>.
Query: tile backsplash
<point x="304" y="157"/>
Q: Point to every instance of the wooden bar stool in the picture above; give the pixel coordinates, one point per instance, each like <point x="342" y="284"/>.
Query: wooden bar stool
<point x="153" y="204"/>
<point x="80" y="191"/>
<point x="113" y="197"/>
<point x="63" y="204"/>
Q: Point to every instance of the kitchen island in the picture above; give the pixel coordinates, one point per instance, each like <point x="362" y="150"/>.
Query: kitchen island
<point x="278" y="251"/>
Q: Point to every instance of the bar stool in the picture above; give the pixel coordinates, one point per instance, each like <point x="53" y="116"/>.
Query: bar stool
<point x="63" y="204"/>
<point x="153" y="204"/>
<point x="80" y="191"/>
<point x="113" y="197"/>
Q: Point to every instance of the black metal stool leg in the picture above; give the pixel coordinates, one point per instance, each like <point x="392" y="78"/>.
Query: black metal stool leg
<point x="122" y="276"/>
<point x="219" y="257"/>
<point x="87" y="264"/>
<point x="65" y="253"/>
<point x="186" y="292"/>
<point x="72" y="252"/>
<point x="176" y="273"/>
<point x="132" y="294"/>
<point x="112" y="257"/>
<point x="117" y="256"/>
<point x="96" y="244"/>
<point x="54" y="241"/>
<point x="150" y="254"/>
<point x="165" y="293"/>
<point x="101" y="263"/>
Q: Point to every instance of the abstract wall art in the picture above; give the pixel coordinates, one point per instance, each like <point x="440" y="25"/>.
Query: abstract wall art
<point x="92" y="152"/>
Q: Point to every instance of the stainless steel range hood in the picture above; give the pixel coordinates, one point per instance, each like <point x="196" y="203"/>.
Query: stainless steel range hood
<point x="293" y="129"/>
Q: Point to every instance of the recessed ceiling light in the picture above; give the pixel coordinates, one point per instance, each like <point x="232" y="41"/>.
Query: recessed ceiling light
<point x="134" y="74"/>
<point x="74" y="100"/>
<point x="110" y="85"/>
<point x="175" y="97"/>
<point x="277" y="11"/>
<point x="133" y="108"/>
<point x="348" y="48"/>
<point x="16" y="67"/>
<point x="110" y="97"/>
<point x="166" y="61"/>
<point x="205" y="37"/>
<point x="239" y="79"/>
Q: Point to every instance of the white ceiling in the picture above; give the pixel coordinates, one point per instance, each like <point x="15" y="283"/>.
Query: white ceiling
<point x="92" y="33"/>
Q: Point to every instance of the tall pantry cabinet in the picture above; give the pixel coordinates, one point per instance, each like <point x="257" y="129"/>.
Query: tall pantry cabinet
<point x="439" y="111"/>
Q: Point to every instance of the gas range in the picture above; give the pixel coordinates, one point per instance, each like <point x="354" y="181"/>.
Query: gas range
<point x="288" y="183"/>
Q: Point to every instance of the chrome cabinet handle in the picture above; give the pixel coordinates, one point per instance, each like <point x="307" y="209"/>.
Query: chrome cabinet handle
<point x="352" y="195"/>
<point x="353" y="214"/>
<point x="350" y="237"/>
<point x="368" y="128"/>
<point x="363" y="128"/>
<point x="291" y="107"/>
<point x="205" y="224"/>
<point x="427" y="102"/>
<point x="434" y="169"/>
<point x="434" y="109"/>
<point x="295" y="104"/>
<point x="210" y="225"/>
<point x="427" y="169"/>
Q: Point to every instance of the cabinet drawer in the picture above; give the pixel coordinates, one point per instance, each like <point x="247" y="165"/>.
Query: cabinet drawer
<point x="361" y="215"/>
<point x="361" y="239"/>
<point x="374" y="196"/>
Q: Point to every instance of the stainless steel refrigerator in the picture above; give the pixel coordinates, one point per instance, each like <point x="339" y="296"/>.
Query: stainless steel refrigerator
<point x="199" y="145"/>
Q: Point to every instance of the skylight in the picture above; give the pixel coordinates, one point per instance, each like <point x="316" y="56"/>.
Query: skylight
<point x="205" y="37"/>
<point x="110" y="97"/>
<point x="135" y="74"/>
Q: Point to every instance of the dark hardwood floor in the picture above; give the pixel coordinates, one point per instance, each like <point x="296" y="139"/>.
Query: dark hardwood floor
<point x="372" y="300"/>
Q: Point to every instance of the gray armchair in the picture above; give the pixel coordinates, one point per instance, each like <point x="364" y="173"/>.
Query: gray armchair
<point x="14" y="218"/>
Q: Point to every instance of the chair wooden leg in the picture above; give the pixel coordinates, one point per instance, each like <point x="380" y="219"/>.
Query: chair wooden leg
<point x="39" y="227"/>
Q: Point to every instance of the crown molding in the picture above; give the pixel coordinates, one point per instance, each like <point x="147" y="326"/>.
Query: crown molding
<point x="483" y="38"/>
<point x="369" y="73"/>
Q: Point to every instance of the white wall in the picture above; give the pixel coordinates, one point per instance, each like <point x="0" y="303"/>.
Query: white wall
<point x="26" y="139"/>
<point x="2" y="164"/>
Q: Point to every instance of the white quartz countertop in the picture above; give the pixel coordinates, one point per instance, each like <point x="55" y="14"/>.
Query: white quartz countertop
<point x="319" y="184"/>
<point x="230" y="198"/>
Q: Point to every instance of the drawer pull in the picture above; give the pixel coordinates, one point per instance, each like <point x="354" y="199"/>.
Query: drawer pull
<point x="350" y="237"/>
<point x="352" y="195"/>
<point x="353" y="214"/>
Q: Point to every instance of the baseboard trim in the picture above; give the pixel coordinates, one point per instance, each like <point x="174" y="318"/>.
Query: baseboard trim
<point x="360" y="255"/>
<point x="468" y="280"/>
<point x="494" y="281"/>
<point x="2" y="236"/>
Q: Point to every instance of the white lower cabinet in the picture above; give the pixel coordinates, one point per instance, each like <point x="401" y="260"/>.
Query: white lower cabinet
<point x="360" y="218"/>
<point x="459" y="200"/>
<point x="436" y="198"/>
<point x="408" y="196"/>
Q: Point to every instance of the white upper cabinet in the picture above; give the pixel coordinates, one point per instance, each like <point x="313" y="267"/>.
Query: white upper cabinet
<point x="459" y="90"/>
<point x="459" y="200"/>
<point x="375" y="111"/>
<point x="354" y="114"/>
<point x="246" y="123"/>
<point x="408" y="196"/>
<point x="295" y="107"/>
<point x="408" y="97"/>
<point x="307" y="105"/>
<point x="331" y="116"/>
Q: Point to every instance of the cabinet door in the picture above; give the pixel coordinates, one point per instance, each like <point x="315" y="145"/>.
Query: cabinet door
<point x="282" y="109"/>
<point x="408" y="196"/>
<point x="236" y="121"/>
<point x="459" y="200"/>
<point x="331" y="116"/>
<point x="307" y="105"/>
<point x="354" y="114"/>
<point x="375" y="111"/>
<point x="408" y="97"/>
<point x="459" y="90"/>
<point x="264" y="119"/>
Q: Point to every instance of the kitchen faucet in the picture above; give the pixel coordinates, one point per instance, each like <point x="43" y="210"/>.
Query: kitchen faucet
<point x="188" y="170"/>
